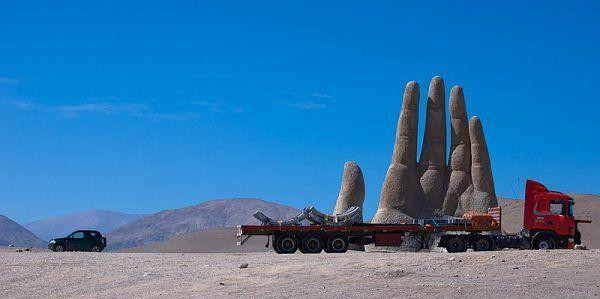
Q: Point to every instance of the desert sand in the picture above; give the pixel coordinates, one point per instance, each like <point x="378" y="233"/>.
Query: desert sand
<point x="510" y="273"/>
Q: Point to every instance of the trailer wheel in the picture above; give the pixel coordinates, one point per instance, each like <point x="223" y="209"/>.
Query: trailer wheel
<point x="274" y="244"/>
<point x="325" y="246"/>
<point x="482" y="244"/>
<point x="545" y="242"/>
<point x="311" y="244"/>
<point x="337" y="244"/>
<point x="286" y="244"/>
<point x="456" y="244"/>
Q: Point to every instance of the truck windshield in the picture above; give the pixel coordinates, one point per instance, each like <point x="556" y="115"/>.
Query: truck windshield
<point x="571" y="204"/>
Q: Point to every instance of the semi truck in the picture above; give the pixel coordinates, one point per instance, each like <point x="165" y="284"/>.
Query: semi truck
<point x="548" y="223"/>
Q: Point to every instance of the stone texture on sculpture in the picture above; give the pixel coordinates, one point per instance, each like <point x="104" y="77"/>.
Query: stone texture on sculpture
<point x="430" y="187"/>
<point x="352" y="193"/>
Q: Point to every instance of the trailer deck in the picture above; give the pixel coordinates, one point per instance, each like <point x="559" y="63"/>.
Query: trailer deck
<point x="288" y="238"/>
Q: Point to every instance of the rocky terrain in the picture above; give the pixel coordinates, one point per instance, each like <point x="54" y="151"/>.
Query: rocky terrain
<point x="210" y="214"/>
<point x="13" y="233"/>
<point x="61" y="226"/>
<point x="506" y="274"/>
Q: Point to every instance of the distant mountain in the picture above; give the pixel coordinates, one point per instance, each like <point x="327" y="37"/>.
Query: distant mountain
<point x="211" y="214"/>
<point x="13" y="233"/>
<point x="60" y="226"/>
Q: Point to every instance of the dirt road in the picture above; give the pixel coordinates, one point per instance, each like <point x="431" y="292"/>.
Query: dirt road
<point x="524" y="274"/>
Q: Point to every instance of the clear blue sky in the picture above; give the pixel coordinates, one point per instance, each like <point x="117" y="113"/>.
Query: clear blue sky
<point x="152" y="105"/>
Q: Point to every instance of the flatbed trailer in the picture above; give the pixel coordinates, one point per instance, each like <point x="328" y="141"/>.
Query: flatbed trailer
<point x="457" y="234"/>
<point x="548" y="223"/>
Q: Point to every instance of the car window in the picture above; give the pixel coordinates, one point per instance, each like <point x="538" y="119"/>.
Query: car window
<point x="556" y="208"/>
<point x="93" y="234"/>
<point x="77" y="235"/>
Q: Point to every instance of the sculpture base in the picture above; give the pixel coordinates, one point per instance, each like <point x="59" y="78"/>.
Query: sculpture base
<point x="410" y="244"/>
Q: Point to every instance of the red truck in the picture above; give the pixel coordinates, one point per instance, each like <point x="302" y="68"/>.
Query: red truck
<point x="548" y="223"/>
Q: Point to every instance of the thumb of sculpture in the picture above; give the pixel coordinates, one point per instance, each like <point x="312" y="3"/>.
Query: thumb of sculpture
<point x="352" y="193"/>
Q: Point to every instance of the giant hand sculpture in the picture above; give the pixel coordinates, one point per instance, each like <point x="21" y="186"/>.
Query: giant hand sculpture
<point x="430" y="186"/>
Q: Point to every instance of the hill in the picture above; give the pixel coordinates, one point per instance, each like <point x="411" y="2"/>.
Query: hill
<point x="13" y="233"/>
<point x="60" y="226"/>
<point x="587" y="206"/>
<point x="211" y="214"/>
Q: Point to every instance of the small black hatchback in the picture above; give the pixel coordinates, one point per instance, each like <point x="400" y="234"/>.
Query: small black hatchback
<point x="80" y="240"/>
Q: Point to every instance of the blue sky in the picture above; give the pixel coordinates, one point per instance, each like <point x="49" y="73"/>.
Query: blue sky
<point x="149" y="105"/>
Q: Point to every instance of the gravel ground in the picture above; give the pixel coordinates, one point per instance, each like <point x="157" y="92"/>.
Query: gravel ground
<point x="513" y="273"/>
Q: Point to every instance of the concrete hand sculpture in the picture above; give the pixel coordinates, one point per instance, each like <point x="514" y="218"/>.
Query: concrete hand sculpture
<point x="430" y="187"/>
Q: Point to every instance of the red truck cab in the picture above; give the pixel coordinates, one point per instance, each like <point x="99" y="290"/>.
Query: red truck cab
<point x="548" y="219"/>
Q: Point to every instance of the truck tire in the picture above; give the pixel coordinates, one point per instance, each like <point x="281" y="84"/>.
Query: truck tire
<point x="545" y="242"/>
<point x="456" y="244"/>
<point x="337" y="244"/>
<point x="483" y="244"/>
<point x="325" y="247"/>
<point x="275" y="245"/>
<point x="286" y="244"/>
<point x="311" y="244"/>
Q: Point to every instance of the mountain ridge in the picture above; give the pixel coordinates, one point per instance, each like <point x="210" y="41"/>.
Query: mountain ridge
<point x="97" y="219"/>
<point x="13" y="233"/>
<point x="216" y="213"/>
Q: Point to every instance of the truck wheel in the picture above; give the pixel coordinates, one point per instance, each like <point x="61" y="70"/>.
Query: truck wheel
<point x="337" y="244"/>
<point x="545" y="243"/>
<point x="325" y="247"/>
<point x="273" y="243"/>
<point x="286" y="244"/>
<point x="456" y="244"/>
<point x="95" y="248"/>
<point x="311" y="244"/>
<point x="482" y="244"/>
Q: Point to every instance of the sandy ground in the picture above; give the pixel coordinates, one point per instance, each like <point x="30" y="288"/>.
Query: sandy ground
<point x="524" y="274"/>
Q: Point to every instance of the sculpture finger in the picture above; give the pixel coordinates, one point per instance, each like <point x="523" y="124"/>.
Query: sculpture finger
<point x="399" y="188"/>
<point x="432" y="163"/>
<point x="484" y="194"/>
<point x="459" y="163"/>
<point x="352" y="191"/>
<point x="405" y="145"/>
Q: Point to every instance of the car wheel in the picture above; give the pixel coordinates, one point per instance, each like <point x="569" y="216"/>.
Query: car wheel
<point x="95" y="248"/>
<point x="456" y="244"/>
<point x="482" y="244"/>
<point x="311" y="244"/>
<point x="286" y="243"/>
<point x="337" y="244"/>
<point x="545" y="243"/>
<point x="59" y="248"/>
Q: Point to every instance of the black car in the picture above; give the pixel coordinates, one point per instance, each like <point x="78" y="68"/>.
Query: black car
<point x="80" y="240"/>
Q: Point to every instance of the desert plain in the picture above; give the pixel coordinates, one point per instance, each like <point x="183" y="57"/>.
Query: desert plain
<point x="496" y="274"/>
